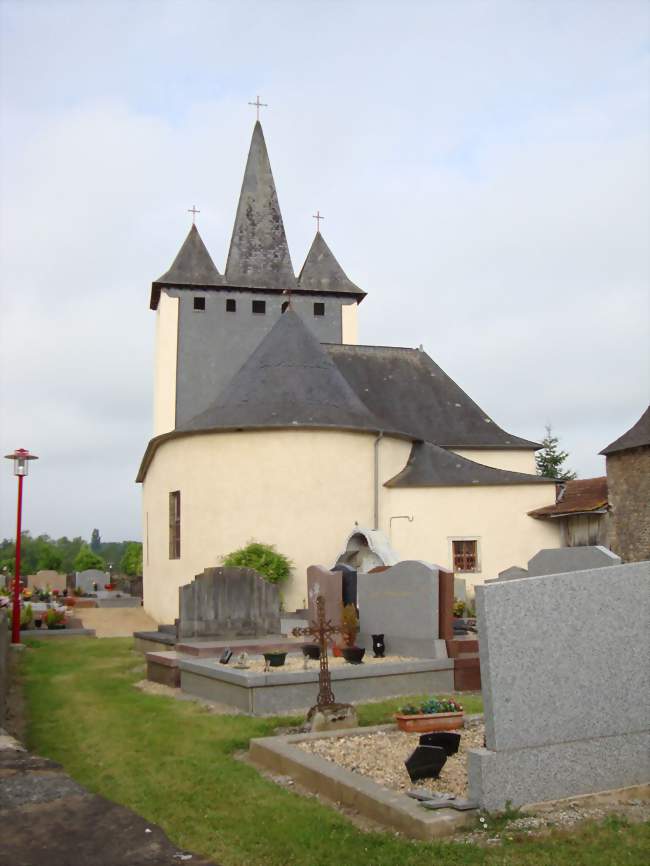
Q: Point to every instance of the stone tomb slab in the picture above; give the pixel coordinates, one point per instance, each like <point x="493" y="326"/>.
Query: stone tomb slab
<point x="228" y="602"/>
<point x="329" y="584"/>
<point x="212" y="648"/>
<point x="389" y="808"/>
<point x="566" y="707"/>
<point x="563" y="559"/>
<point x="276" y="693"/>
<point x="402" y="604"/>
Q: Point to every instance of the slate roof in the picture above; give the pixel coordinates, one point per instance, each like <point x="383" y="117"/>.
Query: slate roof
<point x="288" y="381"/>
<point x="409" y="392"/>
<point x="259" y="254"/>
<point x="322" y="273"/>
<point x="636" y="437"/>
<point x="579" y="496"/>
<point x="193" y="266"/>
<point x="431" y="466"/>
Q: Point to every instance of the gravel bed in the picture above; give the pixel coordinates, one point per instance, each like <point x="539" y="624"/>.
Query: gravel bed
<point x="381" y="756"/>
<point x="296" y="662"/>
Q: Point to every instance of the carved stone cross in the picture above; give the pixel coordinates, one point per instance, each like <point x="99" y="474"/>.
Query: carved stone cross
<point x="322" y="629"/>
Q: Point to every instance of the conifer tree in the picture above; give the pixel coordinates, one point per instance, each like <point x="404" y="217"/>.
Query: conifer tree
<point x="95" y="541"/>
<point x="550" y="459"/>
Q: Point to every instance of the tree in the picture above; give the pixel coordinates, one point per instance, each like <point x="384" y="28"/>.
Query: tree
<point x="49" y="558"/>
<point x="95" y="541"/>
<point x="550" y="459"/>
<point x="131" y="563"/>
<point x="87" y="559"/>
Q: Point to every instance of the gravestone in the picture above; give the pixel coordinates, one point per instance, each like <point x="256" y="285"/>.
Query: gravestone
<point x="402" y="604"/>
<point x="329" y="584"/>
<point x="45" y="578"/>
<point x="228" y="602"/>
<point x="566" y="685"/>
<point x="560" y="559"/>
<point x="86" y="579"/>
<point x="425" y="762"/>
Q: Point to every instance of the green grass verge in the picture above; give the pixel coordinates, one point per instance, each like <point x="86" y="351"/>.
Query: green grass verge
<point x="174" y="764"/>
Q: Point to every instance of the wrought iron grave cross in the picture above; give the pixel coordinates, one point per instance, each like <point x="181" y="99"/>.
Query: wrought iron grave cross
<point x="322" y="629"/>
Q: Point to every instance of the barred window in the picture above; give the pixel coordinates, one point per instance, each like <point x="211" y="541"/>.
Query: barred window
<point x="175" y="525"/>
<point x="465" y="555"/>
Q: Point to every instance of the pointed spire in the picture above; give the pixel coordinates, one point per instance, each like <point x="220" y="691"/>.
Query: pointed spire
<point x="193" y="265"/>
<point x="322" y="273"/>
<point x="288" y="381"/>
<point x="259" y="253"/>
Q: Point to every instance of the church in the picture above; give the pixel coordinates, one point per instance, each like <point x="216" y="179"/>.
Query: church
<point x="271" y="423"/>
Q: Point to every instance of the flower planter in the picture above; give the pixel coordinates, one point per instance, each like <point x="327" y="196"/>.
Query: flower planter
<point x="427" y="723"/>
<point x="311" y="651"/>
<point x="275" y="660"/>
<point x="353" y="654"/>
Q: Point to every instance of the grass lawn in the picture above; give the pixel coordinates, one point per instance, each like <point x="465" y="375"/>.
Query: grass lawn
<point x="174" y="764"/>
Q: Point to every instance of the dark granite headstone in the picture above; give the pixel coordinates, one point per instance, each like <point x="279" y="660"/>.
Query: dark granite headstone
<point x="226" y="655"/>
<point x="426" y="762"/>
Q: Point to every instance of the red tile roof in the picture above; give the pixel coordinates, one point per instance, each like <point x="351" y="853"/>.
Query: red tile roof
<point x="579" y="496"/>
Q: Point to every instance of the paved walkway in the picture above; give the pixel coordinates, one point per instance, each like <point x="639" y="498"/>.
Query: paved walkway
<point x="50" y="820"/>
<point x="115" y="621"/>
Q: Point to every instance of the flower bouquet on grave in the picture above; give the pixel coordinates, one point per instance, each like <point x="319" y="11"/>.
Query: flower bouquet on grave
<point x="434" y="714"/>
<point x="54" y="619"/>
<point x="109" y="587"/>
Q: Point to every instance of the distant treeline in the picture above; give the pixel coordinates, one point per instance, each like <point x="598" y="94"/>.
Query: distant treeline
<point x="66" y="555"/>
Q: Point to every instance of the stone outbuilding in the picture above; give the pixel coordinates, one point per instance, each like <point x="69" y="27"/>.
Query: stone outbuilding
<point x="628" y="483"/>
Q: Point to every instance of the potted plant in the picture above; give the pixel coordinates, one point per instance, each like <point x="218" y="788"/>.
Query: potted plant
<point x="55" y="619"/>
<point x="350" y="622"/>
<point x="434" y="714"/>
<point x="458" y="608"/>
<point x="275" y="658"/>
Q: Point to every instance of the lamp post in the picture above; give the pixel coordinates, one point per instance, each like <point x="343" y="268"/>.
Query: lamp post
<point x="21" y="458"/>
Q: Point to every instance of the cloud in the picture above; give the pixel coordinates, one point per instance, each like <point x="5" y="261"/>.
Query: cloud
<point x="482" y="171"/>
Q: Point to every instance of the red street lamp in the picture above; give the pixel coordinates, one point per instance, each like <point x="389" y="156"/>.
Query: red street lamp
<point x="21" y="458"/>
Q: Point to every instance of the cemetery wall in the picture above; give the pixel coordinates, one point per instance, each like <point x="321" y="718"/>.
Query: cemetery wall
<point x="303" y="490"/>
<point x="566" y="685"/>
<point x="628" y="486"/>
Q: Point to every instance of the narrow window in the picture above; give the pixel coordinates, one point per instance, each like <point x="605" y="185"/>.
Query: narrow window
<point x="259" y="307"/>
<point x="175" y="525"/>
<point x="285" y="306"/>
<point x="319" y="309"/>
<point x="465" y="555"/>
<point x="231" y="305"/>
<point x="199" y="304"/>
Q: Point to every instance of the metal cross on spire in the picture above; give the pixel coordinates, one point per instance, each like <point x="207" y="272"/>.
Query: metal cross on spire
<point x="318" y="218"/>
<point x="194" y="212"/>
<point x="322" y="629"/>
<point x="258" y="105"/>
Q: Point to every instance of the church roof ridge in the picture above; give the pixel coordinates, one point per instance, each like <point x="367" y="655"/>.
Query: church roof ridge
<point x="193" y="266"/>
<point x="259" y="253"/>
<point x="321" y="272"/>
<point x="288" y="381"/>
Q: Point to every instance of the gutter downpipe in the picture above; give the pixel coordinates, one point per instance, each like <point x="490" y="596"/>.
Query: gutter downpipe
<point x="380" y="436"/>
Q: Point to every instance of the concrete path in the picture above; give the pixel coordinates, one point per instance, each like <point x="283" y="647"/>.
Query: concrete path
<point x="50" y="820"/>
<point x="116" y="621"/>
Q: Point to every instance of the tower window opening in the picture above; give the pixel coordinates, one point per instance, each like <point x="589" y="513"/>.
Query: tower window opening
<point x="259" y="307"/>
<point x="199" y="304"/>
<point x="319" y="309"/>
<point x="231" y="305"/>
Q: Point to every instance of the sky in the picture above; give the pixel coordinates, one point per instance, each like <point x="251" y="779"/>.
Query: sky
<point x="482" y="168"/>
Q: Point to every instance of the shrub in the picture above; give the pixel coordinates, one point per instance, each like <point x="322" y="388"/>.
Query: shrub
<point x="264" y="558"/>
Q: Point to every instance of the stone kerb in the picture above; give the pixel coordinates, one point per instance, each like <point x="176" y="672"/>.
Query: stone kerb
<point x="566" y="686"/>
<point x="402" y="604"/>
<point x="229" y="602"/>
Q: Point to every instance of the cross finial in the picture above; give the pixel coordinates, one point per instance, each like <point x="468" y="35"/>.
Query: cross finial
<point x="318" y="218"/>
<point x="258" y="105"/>
<point x="194" y="212"/>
